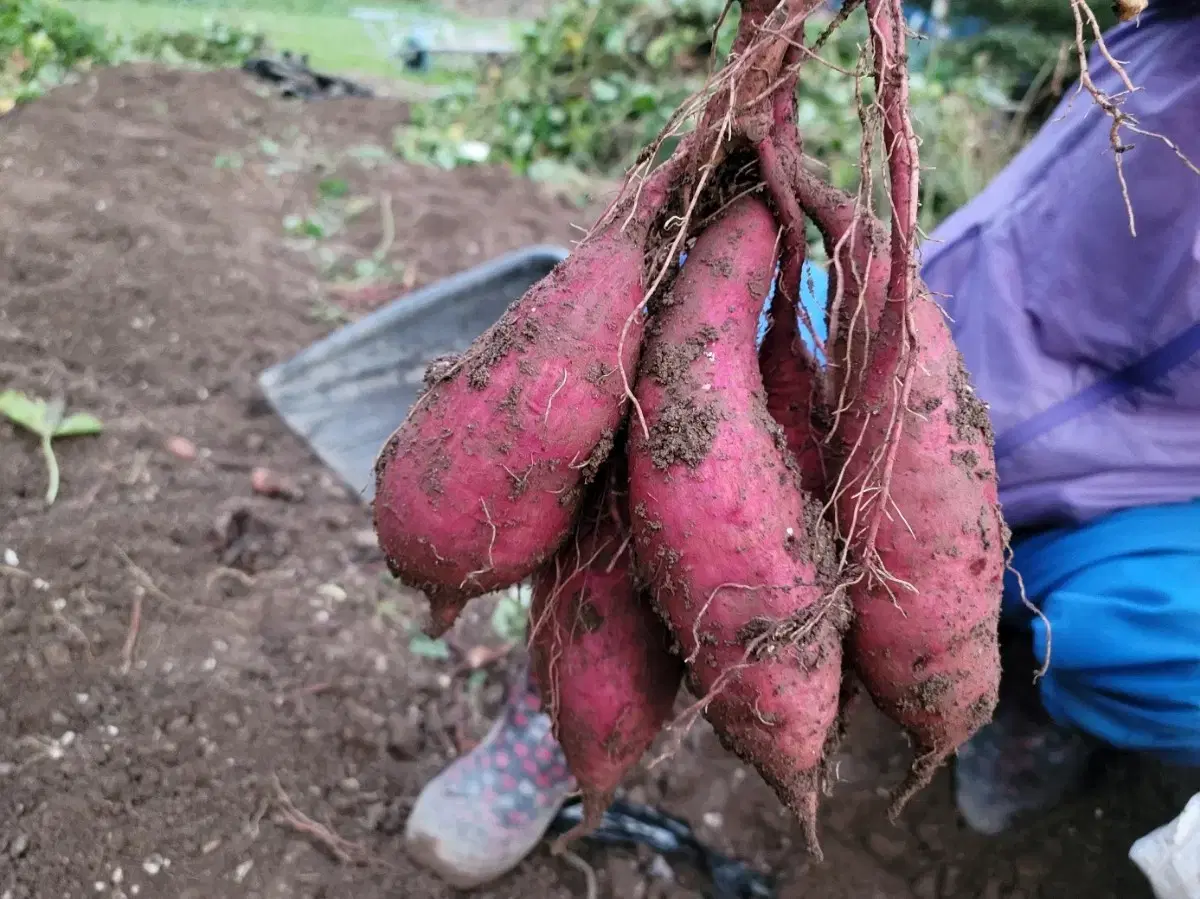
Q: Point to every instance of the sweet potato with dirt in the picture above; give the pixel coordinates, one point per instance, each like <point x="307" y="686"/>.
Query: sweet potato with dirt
<point x="924" y="636"/>
<point x="736" y="556"/>
<point x="481" y="483"/>
<point x="601" y="655"/>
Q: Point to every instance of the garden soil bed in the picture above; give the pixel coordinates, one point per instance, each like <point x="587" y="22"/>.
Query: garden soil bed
<point x="184" y="661"/>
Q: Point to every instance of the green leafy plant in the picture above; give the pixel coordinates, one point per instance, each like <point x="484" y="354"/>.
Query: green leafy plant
<point x="49" y="422"/>
<point x="215" y="43"/>
<point x="1033" y="17"/>
<point x="594" y="81"/>
<point x="510" y="618"/>
<point x="428" y="648"/>
<point x="40" y="42"/>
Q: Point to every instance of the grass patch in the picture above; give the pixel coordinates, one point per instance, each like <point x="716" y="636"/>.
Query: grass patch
<point x="323" y="29"/>
<point x="294" y="7"/>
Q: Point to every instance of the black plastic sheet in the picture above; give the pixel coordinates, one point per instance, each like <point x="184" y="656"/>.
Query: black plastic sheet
<point x="630" y="824"/>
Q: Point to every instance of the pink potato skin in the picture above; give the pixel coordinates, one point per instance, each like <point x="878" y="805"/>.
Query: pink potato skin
<point x="481" y="483"/>
<point x="601" y="655"/>
<point x="723" y="533"/>
<point x="929" y="658"/>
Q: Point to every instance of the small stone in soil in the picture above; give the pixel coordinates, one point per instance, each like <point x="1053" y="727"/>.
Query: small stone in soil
<point x="268" y="483"/>
<point x="660" y="869"/>
<point x="19" y="846"/>
<point x="242" y="870"/>
<point x="951" y="876"/>
<point x="925" y="886"/>
<point x="181" y="448"/>
<point x="885" y="848"/>
<point x="625" y="877"/>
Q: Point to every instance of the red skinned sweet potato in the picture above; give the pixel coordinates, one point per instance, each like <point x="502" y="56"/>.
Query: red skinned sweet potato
<point x="601" y="655"/>
<point x="736" y="556"/>
<point x="924" y="637"/>
<point x="481" y="483"/>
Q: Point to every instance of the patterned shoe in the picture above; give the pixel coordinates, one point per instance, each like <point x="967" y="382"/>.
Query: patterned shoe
<point x="487" y="810"/>
<point x="1020" y="762"/>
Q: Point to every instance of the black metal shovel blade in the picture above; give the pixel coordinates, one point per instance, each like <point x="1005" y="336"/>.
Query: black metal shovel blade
<point x="346" y="394"/>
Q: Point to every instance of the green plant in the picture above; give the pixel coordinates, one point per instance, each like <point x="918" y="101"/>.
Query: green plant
<point x="592" y="83"/>
<point x="510" y="618"/>
<point x="428" y="648"/>
<point x="215" y="43"/>
<point x="596" y="81"/>
<point x="1035" y="17"/>
<point x="40" y="42"/>
<point x="48" y="421"/>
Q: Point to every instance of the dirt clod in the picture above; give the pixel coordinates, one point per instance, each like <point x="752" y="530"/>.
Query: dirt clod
<point x="970" y="417"/>
<point x="598" y="457"/>
<point x="684" y="433"/>
<point x="441" y="368"/>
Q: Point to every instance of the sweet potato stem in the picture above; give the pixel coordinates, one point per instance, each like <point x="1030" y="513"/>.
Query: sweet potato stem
<point x="778" y="153"/>
<point x="895" y="350"/>
<point x="900" y="145"/>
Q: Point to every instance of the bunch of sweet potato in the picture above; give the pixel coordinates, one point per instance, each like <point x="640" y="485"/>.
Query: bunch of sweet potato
<point x="692" y="507"/>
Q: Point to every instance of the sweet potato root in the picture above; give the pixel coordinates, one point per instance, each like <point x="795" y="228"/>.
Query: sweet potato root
<point x="481" y="483"/>
<point x="737" y="558"/>
<point x="924" y="635"/>
<point x="924" y="639"/>
<point x="601" y="655"/>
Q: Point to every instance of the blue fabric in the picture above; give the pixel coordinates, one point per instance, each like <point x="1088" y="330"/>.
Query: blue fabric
<point x="814" y="290"/>
<point x="1093" y="391"/>
<point x="1122" y="597"/>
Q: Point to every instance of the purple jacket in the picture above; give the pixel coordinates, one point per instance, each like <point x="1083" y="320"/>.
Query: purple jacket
<point x="1084" y="340"/>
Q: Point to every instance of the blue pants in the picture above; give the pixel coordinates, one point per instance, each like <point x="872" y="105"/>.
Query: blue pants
<point x="1122" y="598"/>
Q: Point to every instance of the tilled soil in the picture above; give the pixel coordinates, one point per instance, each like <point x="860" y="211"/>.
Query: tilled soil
<point x="195" y="677"/>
